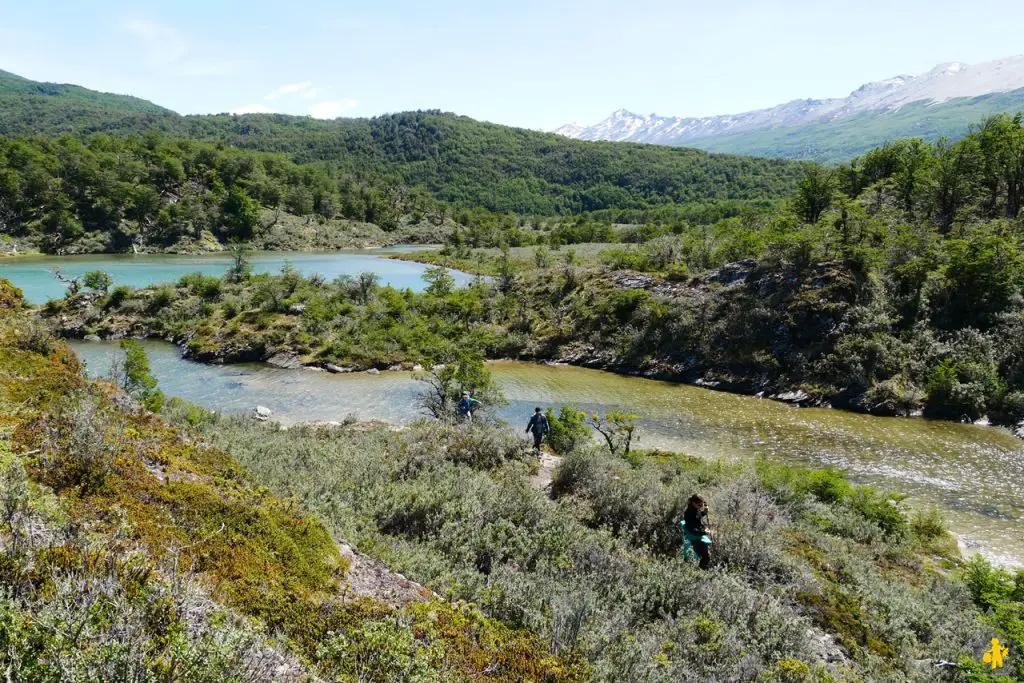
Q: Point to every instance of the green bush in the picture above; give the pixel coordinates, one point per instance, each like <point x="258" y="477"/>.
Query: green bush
<point x="204" y="286"/>
<point x="568" y="430"/>
<point x="960" y="391"/>
<point x="118" y="296"/>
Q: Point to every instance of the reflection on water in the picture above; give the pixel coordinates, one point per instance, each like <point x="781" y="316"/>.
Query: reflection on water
<point x="971" y="473"/>
<point x="35" y="277"/>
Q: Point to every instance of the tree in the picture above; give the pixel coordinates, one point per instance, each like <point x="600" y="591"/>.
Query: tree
<point x="241" y="215"/>
<point x="459" y="371"/>
<point x="617" y="428"/>
<point x="133" y="374"/>
<point x="98" y="281"/>
<point x="440" y="282"/>
<point x="956" y="167"/>
<point x="1001" y="144"/>
<point x="240" y="266"/>
<point x="814" y="194"/>
<point x="366" y="283"/>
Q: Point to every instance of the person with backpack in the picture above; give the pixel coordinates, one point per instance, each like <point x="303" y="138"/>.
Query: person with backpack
<point x="696" y="532"/>
<point x="539" y="426"/>
<point x="466" y="406"/>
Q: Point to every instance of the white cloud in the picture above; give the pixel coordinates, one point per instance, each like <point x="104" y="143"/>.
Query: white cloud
<point x="305" y="90"/>
<point x="166" y="50"/>
<point x="290" y="89"/>
<point x="332" y="109"/>
<point x="252" y="109"/>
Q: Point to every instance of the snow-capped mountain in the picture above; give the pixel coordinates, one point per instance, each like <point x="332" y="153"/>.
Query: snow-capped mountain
<point x="944" y="82"/>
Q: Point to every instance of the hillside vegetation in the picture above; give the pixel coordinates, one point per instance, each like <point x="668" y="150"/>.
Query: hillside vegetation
<point x="129" y="551"/>
<point x="129" y="545"/>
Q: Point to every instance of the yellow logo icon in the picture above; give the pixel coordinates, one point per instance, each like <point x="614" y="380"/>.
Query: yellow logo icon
<point x="996" y="655"/>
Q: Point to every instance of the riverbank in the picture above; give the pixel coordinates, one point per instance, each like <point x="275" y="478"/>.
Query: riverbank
<point x="807" y="336"/>
<point x="964" y="471"/>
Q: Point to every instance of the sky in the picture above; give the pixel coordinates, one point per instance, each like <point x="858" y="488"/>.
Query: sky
<point x="527" y="63"/>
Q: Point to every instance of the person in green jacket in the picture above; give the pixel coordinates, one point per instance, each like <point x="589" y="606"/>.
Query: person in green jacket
<point x="696" y="531"/>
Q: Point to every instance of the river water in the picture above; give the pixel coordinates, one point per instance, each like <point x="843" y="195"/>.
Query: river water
<point x="34" y="274"/>
<point x="970" y="473"/>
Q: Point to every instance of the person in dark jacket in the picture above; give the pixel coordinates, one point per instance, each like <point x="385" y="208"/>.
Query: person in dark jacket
<point x="696" y="529"/>
<point x="539" y="427"/>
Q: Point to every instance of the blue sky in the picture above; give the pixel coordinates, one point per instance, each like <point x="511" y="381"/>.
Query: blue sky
<point x="527" y="63"/>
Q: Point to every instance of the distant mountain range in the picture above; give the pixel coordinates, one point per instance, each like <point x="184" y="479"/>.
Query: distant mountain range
<point x="941" y="102"/>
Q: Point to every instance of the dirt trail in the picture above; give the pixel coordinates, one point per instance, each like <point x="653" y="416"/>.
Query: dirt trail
<point x="548" y="464"/>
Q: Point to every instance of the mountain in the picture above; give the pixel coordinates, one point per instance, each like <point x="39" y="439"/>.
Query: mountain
<point x="14" y="85"/>
<point x="941" y="102"/>
<point x="28" y="106"/>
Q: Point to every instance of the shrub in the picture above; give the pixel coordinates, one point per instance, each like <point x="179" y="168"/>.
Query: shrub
<point x="98" y="281"/>
<point x="568" y="430"/>
<point x="162" y="298"/>
<point x="118" y="296"/>
<point x="960" y="391"/>
<point x="204" y="286"/>
<point x="34" y="335"/>
<point x="895" y="396"/>
<point x="928" y="525"/>
<point x="81" y="443"/>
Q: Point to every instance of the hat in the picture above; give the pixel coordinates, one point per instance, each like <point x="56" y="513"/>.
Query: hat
<point x="465" y="393"/>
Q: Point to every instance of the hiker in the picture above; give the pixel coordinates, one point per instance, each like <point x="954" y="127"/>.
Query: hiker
<point x="696" y="531"/>
<point x="466" y="405"/>
<point x="539" y="426"/>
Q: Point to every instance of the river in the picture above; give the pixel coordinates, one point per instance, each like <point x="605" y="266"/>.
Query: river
<point x="34" y="274"/>
<point x="972" y="474"/>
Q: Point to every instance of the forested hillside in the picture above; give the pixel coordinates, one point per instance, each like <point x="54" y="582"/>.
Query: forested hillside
<point x="108" y="193"/>
<point x="375" y="170"/>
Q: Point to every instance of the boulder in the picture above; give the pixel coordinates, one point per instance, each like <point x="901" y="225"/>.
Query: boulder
<point x="373" y="371"/>
<point x="262" y="413"/>
<point x="92" y="337"/>
<point x="798" y="397"/>
<point x="285" y="359"/>
<point x="337" y="369"/>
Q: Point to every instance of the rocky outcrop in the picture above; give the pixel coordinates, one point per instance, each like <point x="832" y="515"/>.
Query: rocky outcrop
<point x="370" y="578"/>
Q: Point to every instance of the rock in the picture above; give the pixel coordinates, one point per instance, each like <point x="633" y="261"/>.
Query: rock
<point x="92" y="337"/>
<point x="373" y="371"/>
<point x="262" y="413"/>
<point x="797" y="397"/>
<point x="297" y="309"/>
<point x="397" y="367"/>
<point x="367" y="577"/>
<point x="285" y="359"/>
<point x="417" y="368"/>
<point x="337" y="369"/>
